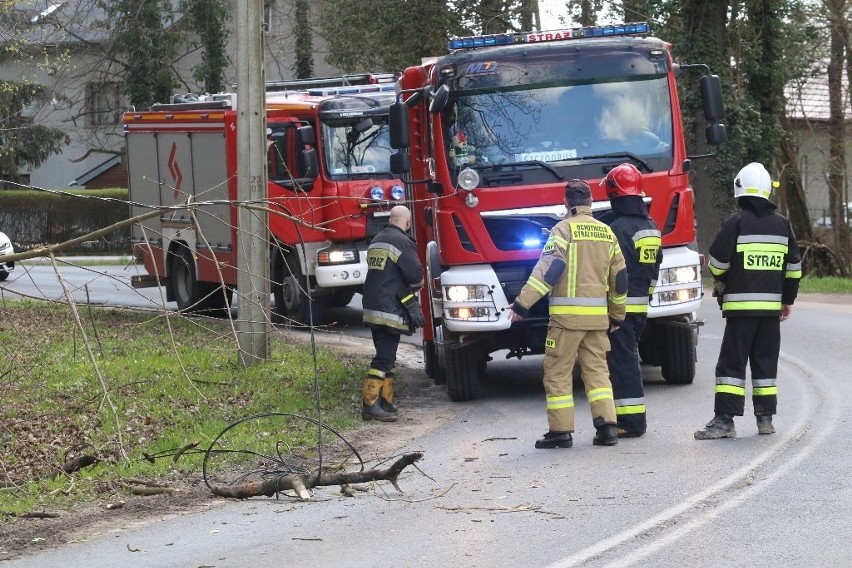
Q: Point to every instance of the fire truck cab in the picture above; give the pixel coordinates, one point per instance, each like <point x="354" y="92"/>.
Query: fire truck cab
<point x="488" y="136"/>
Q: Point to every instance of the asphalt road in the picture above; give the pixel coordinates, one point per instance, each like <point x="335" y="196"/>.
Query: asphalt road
<point x="485" y="497"/>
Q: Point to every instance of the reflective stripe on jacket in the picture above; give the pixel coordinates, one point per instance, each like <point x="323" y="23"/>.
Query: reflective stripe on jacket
<point x="392" y="266"/>
<point x="757" y="258"/>
<point x="578" y="268"/>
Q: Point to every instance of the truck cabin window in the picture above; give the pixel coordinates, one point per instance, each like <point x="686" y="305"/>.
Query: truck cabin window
<point x="357" y="148"/>
<point x="559" y="124"/>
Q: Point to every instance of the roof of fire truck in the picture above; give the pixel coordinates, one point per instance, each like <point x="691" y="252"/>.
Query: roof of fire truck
<point x="333" y="97"/>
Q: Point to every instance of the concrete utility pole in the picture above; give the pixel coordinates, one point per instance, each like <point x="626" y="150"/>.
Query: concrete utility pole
<point x="253" y="327"/>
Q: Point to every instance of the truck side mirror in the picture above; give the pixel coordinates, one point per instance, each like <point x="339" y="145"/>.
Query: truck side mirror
<point x="309" y="156"/>
<point x="307" y="136"/>
<point x="439" y="99"/>
<point x="711" y="97"/>
<point x="716" y="134"/>
<point x="400" y="163"/>
<point x="398" y="125"/>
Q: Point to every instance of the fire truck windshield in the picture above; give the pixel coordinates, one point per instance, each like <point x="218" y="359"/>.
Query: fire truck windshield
<point x="358" y="149"/>
<point x="562" y="125"/>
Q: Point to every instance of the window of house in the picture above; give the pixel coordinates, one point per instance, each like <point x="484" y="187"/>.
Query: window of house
<point x="103" y="104"/>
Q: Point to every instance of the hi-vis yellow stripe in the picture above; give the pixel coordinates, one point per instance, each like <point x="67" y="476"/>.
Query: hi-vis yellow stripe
<point x="565" y="401"/>
<point x="599" y="394"/>
<point x="579" y="310"/>
<point x="730" y="389"/>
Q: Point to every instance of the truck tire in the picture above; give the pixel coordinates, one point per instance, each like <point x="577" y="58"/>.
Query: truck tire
<point x="291" y="299"/>
<point x="462" y="373"/>
<point x="678" y="354"/>
<point x="192" y="296"/>
<point x="433" y="367"/>
<point x="3" y="275"/>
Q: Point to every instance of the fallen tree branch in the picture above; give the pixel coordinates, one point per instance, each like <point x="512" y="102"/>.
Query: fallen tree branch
<point x="75" y="464"/>
<point x="302" y="483"/>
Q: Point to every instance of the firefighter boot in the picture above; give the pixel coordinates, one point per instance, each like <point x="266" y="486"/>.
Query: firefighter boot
<point x="606" y="435"/>
<point x="387" y="395"/>
<point x="764" y="424"/>
<point x="722" y="426"/>
<point x="555" y="440"/>
<point x="371" y="409"/>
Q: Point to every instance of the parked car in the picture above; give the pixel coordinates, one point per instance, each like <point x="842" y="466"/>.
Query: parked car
<point x="5" y="249"/>
<point x="825" y="221"/>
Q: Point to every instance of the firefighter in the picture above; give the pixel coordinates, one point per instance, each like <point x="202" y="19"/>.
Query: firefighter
<point x="756" y="267"/>
<point x="391" y="309"/>
<point x="582" y="270"/>
<point x="639" y="238"/>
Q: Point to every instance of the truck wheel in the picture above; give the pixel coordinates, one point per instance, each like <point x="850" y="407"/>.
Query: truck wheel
<point x="3" y="275"/>
<point x="462" y="373"/>
<point x="433" y="367"/>
<point x="185" y="286"/>
<point x="191" y="295"/>
<point x="678" y="354"/>
<point x="291" y="299"/>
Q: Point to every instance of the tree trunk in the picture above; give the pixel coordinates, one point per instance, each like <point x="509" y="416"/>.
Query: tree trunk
<point x="704" y="41"/>
<point x="837" y="127"/>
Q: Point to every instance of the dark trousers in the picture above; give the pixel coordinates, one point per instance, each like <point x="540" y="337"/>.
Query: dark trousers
<point x="753" y="341"/>
<point x="386" y="343"/>
<point x="625" y="374"/>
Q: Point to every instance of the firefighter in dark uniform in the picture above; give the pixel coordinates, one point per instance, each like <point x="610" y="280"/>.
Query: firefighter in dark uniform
<point x="756" y="266"/>
<point x="641" y="245"/>
<point x="390" y="308"/>
<point x="582" y="270"/>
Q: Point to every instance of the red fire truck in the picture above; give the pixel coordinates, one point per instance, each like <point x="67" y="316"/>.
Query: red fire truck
<point x="488" y="137"/>
<point x="329" y="191"/>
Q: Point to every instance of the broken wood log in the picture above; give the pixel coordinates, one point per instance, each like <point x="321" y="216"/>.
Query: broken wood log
<point x="301" y="483"/>
<point x="75" y="464"/>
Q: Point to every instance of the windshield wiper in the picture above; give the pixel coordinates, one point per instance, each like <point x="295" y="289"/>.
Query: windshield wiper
<point x="539" y="163"/>
<point x="630" y="155"/>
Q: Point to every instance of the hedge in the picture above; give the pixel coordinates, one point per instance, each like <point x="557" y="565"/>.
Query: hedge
<point x="33" y="218"/>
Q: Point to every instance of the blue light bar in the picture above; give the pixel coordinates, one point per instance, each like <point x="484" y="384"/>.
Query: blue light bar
<point x="474" y="42"/>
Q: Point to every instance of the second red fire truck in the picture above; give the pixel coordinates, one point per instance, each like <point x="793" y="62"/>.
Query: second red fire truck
<point x="329" y="191"/>
<point x="489" y="135"/>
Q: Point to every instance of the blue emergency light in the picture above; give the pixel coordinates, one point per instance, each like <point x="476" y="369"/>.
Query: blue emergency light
<point x="474" y="42"/>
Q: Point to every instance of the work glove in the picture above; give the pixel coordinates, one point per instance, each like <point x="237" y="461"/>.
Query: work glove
<point x="415" y="313"/>
<point x="718" y="291"/>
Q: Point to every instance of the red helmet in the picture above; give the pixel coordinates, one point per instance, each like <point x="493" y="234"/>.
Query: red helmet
<point x="623" y="180"/>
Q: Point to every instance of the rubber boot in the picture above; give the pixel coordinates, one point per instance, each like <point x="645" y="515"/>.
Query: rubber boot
<point x="387" y="395"/>
<point x="764" y="424"/>
<point x="722" y="426"/>
<point x="606" y="436"/>
<point x="371" y="409"/>
<point x="555" y="440"/>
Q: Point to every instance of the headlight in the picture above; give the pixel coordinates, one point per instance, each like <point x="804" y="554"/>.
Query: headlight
<point x="336" y="256"/>
<point x="679" y="275"/>
<point x="397" y="192"/>
<point x="6" y="245"/>
<point x="466" y="293"/>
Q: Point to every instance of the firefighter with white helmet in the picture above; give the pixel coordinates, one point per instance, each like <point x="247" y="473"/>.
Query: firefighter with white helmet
<point x="641" y="245"/>
<point x="756" y="267"/>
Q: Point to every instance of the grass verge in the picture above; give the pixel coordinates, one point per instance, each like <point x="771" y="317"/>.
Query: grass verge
<point x="139" y="389"/>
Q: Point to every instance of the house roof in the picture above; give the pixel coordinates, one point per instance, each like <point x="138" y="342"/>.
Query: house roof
<point x="808" y="99"/>
<point x="96" y="171"/>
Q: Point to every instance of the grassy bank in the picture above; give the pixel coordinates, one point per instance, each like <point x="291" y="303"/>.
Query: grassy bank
<point x="144" y="394"/>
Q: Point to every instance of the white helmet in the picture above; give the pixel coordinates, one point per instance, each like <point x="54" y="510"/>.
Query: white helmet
<point x="753" y="180"/>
